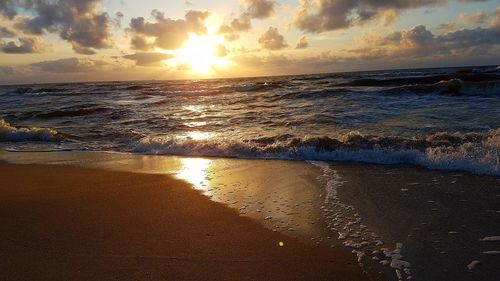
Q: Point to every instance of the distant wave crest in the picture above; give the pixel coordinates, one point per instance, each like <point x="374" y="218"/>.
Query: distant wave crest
<point x="452" y="86"/>
<point x="9" y="133"/>
<point x="477" y="153"/>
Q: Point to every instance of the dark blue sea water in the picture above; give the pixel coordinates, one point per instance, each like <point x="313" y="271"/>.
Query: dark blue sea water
<point x="447" y="118"/>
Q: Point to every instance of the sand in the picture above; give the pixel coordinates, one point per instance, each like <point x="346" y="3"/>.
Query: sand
<point x="440" y="217"/>
<point x="69" y="223"/>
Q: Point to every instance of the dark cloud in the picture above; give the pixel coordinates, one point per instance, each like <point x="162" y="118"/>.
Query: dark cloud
<point x="140" y="43"/>
<point x="70" y="65"/>
<point x="25" y="46"/>
<point x="419" y="42"/>
<point x="302" y="44"/>
<point x="6" y="33"/>
<point x="117" y="20"/>
<point x="148" y="59"/>
<point x="272" y="40"/>
<point x="259" y="9"/>
<point x="242" y="23"/>
<point x="168" y="34"/>
<point x="464" y="39"/>
<point x="8" y="8"/>
<point x="80" y="22"/>
<point x="323" y="15"/>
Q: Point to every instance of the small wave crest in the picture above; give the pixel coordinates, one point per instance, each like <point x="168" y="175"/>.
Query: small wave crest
<point x="71" y="111"/>
<point x="453" y="86"/>
<point x="421" y="80"/>
<point x="477" y="153"/>
<point x="9" y="133"/>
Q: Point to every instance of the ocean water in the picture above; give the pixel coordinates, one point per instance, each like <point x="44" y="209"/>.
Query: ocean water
<point x="430" y="212"/>
<point x="447" y="118"/>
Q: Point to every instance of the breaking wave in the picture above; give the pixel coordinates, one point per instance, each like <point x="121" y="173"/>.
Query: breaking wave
<point x="478" y="153"/>
<point x="9" y="133"/>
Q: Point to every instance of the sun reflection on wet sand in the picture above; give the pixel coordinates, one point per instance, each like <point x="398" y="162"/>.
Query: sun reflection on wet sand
<point x="195" y="171"/>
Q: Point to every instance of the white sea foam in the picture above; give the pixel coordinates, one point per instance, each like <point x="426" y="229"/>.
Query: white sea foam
<point x="479" y="157"/>
<point x="491" y="238"/>
<point x="343" y="219"/>
<point x="12" y="134"/>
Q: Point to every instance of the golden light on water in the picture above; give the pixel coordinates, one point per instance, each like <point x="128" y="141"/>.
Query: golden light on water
<point x="199" y="135"/>
<point x="194" y="171"/>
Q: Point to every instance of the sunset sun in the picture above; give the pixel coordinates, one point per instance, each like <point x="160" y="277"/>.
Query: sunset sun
<point x="202" y="54"/>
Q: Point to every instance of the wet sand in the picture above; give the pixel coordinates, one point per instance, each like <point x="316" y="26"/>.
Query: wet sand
<point x="71" y="223"/>
<point x="441" y="218"/>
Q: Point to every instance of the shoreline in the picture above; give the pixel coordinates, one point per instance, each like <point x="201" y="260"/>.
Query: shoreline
<point x="73" y="223"/>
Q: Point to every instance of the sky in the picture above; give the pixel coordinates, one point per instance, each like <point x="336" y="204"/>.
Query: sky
<point x="107" y="40"/>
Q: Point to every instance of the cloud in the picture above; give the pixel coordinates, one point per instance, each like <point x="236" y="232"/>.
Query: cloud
<point x="70" y="65"/>
<point x="302" y="44"/>
<point x="260" y="62"/>
<point x="230" y="31"/>
<point x="495" y="18"/>
<point x="221" y="50"/>
<point x="252" y="9"/>
<point x="79" y="22"/>
<point x="8" y="8"/>
<point x="230" y="34"/>
<point x="6" y="33"/>
<point x="167" y="33"/>
<point x="259" y="9"/>
<point x="272" y="40"/>
<point x="323" y="15"/>
<point x="7" y="70"/>
<point x="446" y="27"/>
<point x="388" y="17"/>
<point x="148" y="59"/>
<point x="25" y="46"/>
<point x="419" y="42"/>
<point x="242" y="23"/>
<point x="479" y="17"/>
<point x="117" y="20"/>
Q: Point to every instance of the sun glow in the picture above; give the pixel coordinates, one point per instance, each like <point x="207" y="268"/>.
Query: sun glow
<point x="201" y="54"/>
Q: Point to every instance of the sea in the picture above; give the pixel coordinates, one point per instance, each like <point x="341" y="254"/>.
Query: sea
<point x="406" y="163"/>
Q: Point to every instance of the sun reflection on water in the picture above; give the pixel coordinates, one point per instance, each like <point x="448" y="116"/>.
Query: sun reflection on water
<point x="195" y="171"/>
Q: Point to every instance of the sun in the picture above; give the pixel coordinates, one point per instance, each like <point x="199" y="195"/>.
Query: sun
<point x="201" y="54"/>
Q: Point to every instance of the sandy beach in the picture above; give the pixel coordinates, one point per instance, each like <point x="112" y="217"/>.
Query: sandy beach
<point x="70" y="223"/>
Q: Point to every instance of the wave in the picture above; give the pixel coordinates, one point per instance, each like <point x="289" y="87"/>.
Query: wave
<point x="477" y="153"/>
<point x="70" y="111"/>
<point x="9" y="133"/>
<point x="452" y="86"/>
<point x="421" y="80"/>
